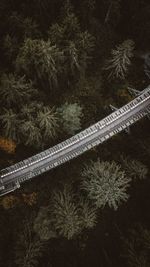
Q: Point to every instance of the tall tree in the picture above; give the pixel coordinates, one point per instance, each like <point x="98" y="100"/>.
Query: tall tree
<point x="118" y="65"/>
<point x="66" y="216"/>
<point x="105" y="183"/>
<point x="41" y="59"/>
<point x="15" y="90"/>
<point x="48" y="122"/>
<point x="134" y="168"/>
<point x="65" y="212"/>
<point x="136" y="246"/>
<point x="10" y="124"/>
<point x="30" y="134"/>
<point x="29" y="247"/>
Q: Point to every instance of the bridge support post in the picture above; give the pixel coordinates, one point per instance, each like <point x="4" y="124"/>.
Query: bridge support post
<point x="134" y="92"/>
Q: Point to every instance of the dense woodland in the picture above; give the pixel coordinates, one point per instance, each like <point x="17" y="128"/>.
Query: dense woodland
<point x="62" y="64"/>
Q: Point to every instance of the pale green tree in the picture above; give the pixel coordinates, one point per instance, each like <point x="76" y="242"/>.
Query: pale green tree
<point x="105" y="184"/>
<point x="71" y="115"/>
<point x="120" y="61"/>
<point x="15" y="90"/>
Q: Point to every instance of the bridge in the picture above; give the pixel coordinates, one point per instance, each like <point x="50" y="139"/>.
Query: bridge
<point x="117" y="121"/>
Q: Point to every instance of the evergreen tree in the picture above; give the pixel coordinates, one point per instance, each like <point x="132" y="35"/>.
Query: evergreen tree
<point x="105" y="184"/>
<point x="72" y="58"/>
<point x="65" y="213"/>
<point x="71" y="26"/>
<point x="134" y="168"/>
<point x="136" y="246"/>
<point x="44" y="225"/>
<point x="15" y="90"/>
<point x="56" y="34"/>
<point x="29" y="111"/>
<point x="86" y="45"/>
<point x="30" y="134"/>
<point x="10" y="123"/>
<point x="41" y="59"/>
<point x="71" y="115"/>
<point x="120" y="61"/>
<point x="88" y="213"/>
<point x="29" y="247"/>
<point x="10" y="47"/>
<point x="47" y="122"/>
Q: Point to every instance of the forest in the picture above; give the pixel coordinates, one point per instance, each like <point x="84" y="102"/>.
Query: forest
<point x="62" y="64"/>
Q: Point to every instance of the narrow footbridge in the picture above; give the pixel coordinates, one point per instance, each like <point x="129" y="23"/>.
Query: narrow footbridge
<point x="119" y="120"/>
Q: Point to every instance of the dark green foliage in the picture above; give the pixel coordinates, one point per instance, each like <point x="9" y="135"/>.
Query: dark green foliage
<point x="134" y="168"/>
<point x="15" y="90"/>
<point x="38" y="125"/>
<point x="53" y="84"/>
<point x="29" y="247"/>
<point x="137" y="247"/>
<point x="44" y="225"/>
<point x="10" y="122"/>
<point x="88" y="213"/>
<point x="30" y="133"/>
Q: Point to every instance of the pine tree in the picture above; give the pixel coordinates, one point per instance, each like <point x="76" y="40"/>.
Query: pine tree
<point x="136" y="246"/>
<point x="56" y="34"/>
<point x="72" y="57"/>
<point x="30" y="134"/>
<point x="43" y="225"/>
<point x="10" y="123"/>
<point x="41" y="59"/>
<point x="105" y="183"/>
<point x="15" y="90"/>
<point x="66" y="216"/>
<point x="47" y="121"/>
<point x="65" y="211"/>
<point x="134" y="168"/>
<point x="86" y="44"/>
<point x="29" y="111"/>
<point x="120" y="61"/>
<point x="88" y="213"/>
<point x="29" y="247"/>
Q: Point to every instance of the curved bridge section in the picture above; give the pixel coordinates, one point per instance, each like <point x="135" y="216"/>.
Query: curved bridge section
<point x="13" y="176"/>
